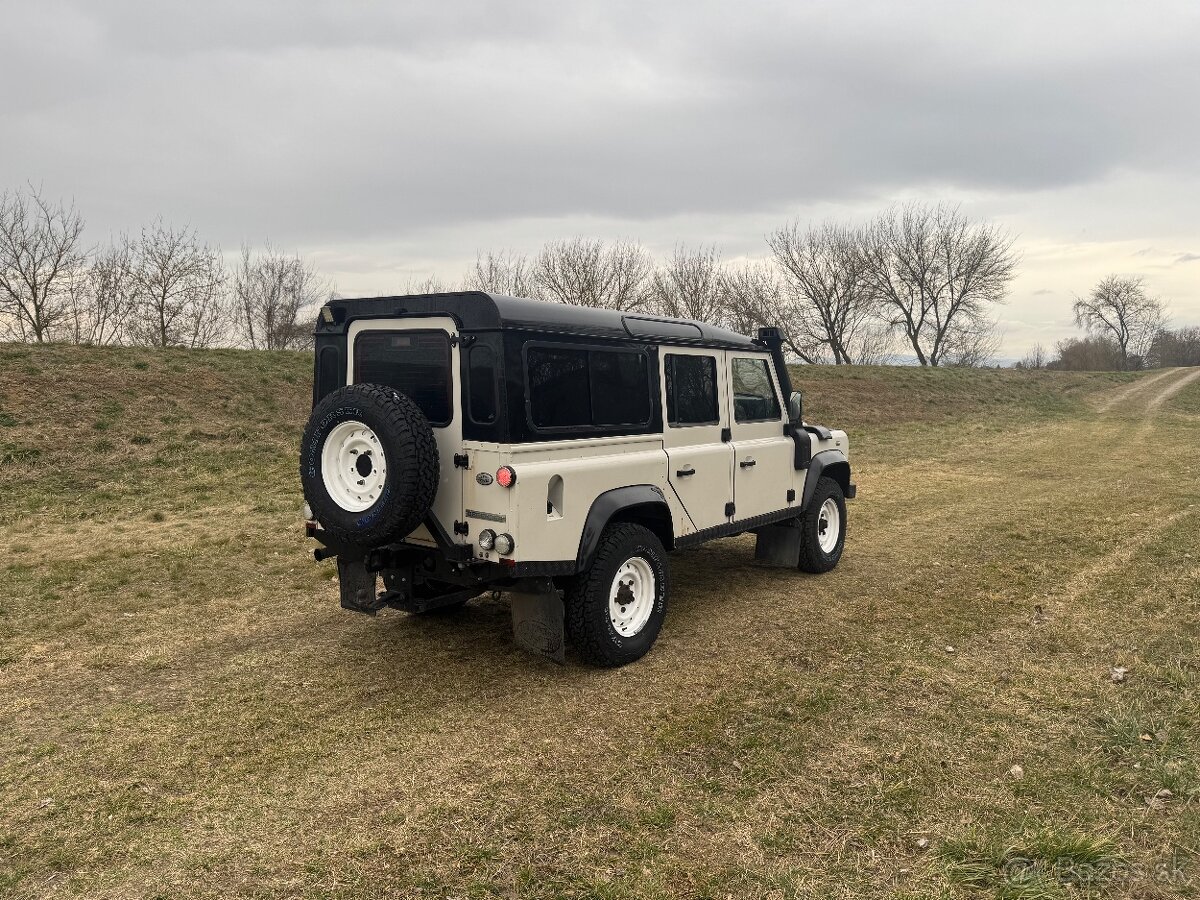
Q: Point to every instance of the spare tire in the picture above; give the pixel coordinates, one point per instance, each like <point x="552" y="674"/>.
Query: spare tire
<point x="369" y="465"/>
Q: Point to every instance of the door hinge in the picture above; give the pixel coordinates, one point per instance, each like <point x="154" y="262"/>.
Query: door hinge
<point x="461" y="527"/>
<point x="791" y="495"/>
<point x="462" y="461"/>
<point x="726" y="435"/>
<point x="729" y="508"/>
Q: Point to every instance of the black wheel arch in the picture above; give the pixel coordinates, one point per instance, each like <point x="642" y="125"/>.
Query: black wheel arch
<point x="830" y="464"/>
<point x="642" y="504"/>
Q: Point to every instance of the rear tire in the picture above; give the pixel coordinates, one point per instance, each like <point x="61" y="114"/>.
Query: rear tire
<point x="615" y="610"/>
<point x="823" y="528"/>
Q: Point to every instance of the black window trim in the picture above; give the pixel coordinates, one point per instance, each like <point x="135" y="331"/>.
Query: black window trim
<point x="593" y="428"/>
<point x="449" y="361"/>
<point x="766" y="360"/>
<point x="667" y="400"/>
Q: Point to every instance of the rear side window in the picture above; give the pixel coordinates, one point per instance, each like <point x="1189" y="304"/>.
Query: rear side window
<point x="559" y="395"/>
<point x="575" y="387"/>
<point x="620" y="389"/>
<point x="415" y="363"/>
<point x="754" y="397"/>
<point x="691" y="390"/>
<point x="483" y="384"/>
<point x="329" y="373"/>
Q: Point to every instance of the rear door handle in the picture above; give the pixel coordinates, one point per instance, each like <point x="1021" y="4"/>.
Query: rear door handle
<point x="684" y="473"/>
<point x="747" y="463"/>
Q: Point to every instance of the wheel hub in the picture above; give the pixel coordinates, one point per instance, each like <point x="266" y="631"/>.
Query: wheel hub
<point x="631" y="599"/>
<point x="829" y="525"/>
<point x="353" y="466"/>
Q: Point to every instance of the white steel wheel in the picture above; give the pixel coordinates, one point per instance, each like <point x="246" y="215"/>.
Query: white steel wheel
<point x="829" y="525"/>
<point x="631" y="597"/>
<point x="353" y="466"/>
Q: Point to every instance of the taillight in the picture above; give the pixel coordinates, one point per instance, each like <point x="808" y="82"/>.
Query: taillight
<point x="506" y="476"/>
<point x="505" y="544"/>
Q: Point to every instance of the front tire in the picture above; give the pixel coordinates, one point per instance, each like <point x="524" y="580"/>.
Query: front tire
<point x="823" y="528"/>
<point x="615" y="610"/>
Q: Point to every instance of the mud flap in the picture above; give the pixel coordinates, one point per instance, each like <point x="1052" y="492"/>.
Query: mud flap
<point x="779" y="545"/>
<point x="357" y="586"/>
<point x="537" y="617"/>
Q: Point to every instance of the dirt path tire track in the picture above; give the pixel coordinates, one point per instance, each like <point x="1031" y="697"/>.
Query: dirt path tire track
<point x="1134" y="389"/>
<point x="1172" y="389"/>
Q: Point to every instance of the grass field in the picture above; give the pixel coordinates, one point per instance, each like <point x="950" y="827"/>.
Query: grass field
<point x="186" y="712"/>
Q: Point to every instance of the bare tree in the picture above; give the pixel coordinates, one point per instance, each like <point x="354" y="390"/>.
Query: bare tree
<point x="833" y="299"/>
<point x="1037" y="358"/>
<point x="277" y="295"/>
<point x="40" y="258"/>
<point x="103" y="299"/>
<point x="1175" y="348"/>
<point x="179" y="290"/>
<point x="431" y="284"/>
<point x="1120" y="308"/>
<point x="1095" y="353"/>
<point x="750" y="292"/>
<point x="690" y="286"/>
<point x="591" y="273"/>
<point x="937" y="275"/>
<point x="506" y="272"/>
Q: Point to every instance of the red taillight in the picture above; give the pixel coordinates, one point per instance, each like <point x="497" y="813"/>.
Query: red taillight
<point x="506" y="476"/>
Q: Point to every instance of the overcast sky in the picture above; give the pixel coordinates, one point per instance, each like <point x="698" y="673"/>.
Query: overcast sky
<point x="390" y="141"/>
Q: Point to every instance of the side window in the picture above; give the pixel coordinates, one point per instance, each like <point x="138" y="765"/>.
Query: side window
<point x="578" y="387"/>
<point x="620" y="389"/>
<point x="691" y="390"/>
<point x="559" y="396"/>
<point x="482" y="382"/>
<point x="329" y="373"/>
<point x="754" y="397"/>
<point x="415" y="363"/>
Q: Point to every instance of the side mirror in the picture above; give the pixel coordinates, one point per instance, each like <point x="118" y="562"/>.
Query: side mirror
<point x="796" y="409"/>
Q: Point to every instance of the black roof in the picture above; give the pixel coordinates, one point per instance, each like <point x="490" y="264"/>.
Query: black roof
<point x="479" y="311"/>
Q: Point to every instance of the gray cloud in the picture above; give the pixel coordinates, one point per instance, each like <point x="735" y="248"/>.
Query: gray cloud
<point x="378" y="124"/>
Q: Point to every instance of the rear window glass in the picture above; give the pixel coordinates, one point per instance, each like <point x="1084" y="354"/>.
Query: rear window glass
<point x="576" y="387"/>
<point x="691" y="390"/>
<point x="415" y="363"/>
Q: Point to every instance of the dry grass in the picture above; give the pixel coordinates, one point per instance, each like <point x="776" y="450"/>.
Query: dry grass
<point x="184" y="710"/>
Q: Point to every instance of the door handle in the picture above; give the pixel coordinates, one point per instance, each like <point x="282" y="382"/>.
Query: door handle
<point x="684" y="473"/>
<point x="747" y="463"/>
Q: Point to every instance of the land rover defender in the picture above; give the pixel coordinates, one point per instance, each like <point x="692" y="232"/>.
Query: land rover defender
<point x="468" y="442"/>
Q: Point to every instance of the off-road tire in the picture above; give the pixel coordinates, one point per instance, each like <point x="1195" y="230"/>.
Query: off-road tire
<point x="586" y="596"/>
<point x="813" y="558"/>
<point x="411" y="479"/>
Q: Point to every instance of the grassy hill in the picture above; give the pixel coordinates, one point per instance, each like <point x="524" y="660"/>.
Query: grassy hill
<point x="185" y="711"/>
<point x="89" y="432"/>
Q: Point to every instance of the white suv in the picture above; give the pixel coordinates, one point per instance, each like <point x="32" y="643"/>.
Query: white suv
<point x="467" y="442"/>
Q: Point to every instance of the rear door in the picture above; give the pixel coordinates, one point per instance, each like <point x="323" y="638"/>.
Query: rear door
<point x="764" y="470"/>
<point x="695" y="406"/>
<point x="419" y="357"/>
